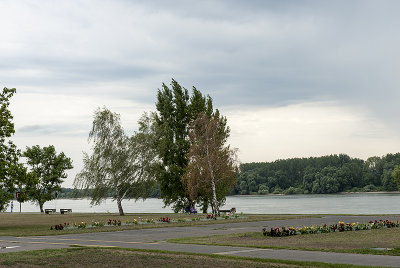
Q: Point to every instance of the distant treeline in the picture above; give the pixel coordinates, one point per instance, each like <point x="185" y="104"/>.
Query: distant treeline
<point x="319" y="175"/>
<point x="68" y="193"/>
<point x="313" y="175"/>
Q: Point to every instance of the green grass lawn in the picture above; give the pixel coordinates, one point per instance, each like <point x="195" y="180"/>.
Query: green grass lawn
<point x="28" y="224"/>
<point x="351" y="242"/>
<point x="101" y="257"/>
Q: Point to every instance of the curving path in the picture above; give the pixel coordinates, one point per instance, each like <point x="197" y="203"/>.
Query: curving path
<point x="155" y="239"/>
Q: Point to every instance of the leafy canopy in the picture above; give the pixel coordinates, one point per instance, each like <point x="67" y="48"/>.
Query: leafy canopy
<point x="118" y="164"/>
<point x="176" y="109"/>
<point x="9" y="167"/>
<point x="48" y="168"/>
<point x="212" y="169"/>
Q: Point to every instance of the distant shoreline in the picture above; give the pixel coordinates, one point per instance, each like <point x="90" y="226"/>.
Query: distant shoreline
<point x="344" y="193"/>
<point x="383" y="192"/>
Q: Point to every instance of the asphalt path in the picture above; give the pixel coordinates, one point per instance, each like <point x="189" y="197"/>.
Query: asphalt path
<point x="156" y="239"/>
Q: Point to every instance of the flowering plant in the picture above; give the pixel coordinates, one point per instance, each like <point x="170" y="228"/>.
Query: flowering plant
<point x="97" y="224"/>
<point x="211" y="216"/>
<point x="114" y="222"/>
<point x="59" y="226"/>
<point x="80" y="225"/>
<point x="131" y="222"/>
<point x="149" y="220"/>
<point x="165" y="219"/>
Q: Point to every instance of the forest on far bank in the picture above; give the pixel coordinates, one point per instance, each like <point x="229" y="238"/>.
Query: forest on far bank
<point x="319" y="175"/>
<point x="313" y="175"/>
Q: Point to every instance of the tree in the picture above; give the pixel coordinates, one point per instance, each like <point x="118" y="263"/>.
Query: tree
<point x="396" y="175"/>
<point x="212" y="169"/>
<point x="119" y="164"/>
<point x="26" y="183"/>
<point x="176" y="109"/>
<point x="48" y="169"/>
<point x="9" y="154"/>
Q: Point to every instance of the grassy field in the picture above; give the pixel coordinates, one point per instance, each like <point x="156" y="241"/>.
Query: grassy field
<point x="100" y="257"/>
<point x="350" y="242"/>
<point x="26" y="224"/>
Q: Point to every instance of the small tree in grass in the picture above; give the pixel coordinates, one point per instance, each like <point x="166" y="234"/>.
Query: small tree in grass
<point x="47" y="169"/>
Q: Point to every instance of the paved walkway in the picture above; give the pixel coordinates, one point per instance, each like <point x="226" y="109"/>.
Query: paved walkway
<point x="155" y="239"/>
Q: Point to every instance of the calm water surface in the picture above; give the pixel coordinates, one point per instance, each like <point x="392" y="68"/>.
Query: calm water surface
<point x="381" y="203"/>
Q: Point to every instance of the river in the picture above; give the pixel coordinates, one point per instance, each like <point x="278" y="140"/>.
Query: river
<point x="354" y="203"/>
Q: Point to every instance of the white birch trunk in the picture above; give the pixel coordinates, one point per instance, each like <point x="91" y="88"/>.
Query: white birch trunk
<point x="214" y="192"/>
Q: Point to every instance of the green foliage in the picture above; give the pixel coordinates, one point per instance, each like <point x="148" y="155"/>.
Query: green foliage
<point x="263" y="189"/>
<point x="396" y="175"/>
<point x="119" y="164"/>
<point x="9" y="167"/>
<point x="47" y="169"/>
<point x="319" y="175"/>
<point x="175" y="110"/>
<point x="212" y="169"/>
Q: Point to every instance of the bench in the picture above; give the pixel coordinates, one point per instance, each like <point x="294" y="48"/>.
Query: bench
<point x="50" y="210"/>
<point x="190" y="210"/>
<point x="65" y="210"/>
<point x="232" y="211"/>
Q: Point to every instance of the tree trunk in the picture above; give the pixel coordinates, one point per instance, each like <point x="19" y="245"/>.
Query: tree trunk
<point x="41" y="207"/>
<point x="214" y="201"/>
<point x="119" y="203"/>
<point x="205" y="207"/>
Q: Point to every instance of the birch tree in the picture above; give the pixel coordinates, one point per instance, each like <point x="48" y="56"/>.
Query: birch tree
<point x="118" y="163"/>
<point x="212" y="169"/>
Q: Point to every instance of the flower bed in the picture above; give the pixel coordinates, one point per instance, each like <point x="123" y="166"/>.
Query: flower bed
<point x="117" y="222"/>
<point x="339" y="227"/>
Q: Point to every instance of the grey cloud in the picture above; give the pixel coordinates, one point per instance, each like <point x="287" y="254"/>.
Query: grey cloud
<point x="53" y="130"/>
<point x="240" y="52"/>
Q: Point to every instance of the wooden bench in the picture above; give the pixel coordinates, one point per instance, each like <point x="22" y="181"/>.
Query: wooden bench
<point x="65" y="210"/>
<point x="232" y="211"/>
<point x="50" y="210"/>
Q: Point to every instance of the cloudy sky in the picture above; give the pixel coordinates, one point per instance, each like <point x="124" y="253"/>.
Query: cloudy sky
<point x="294" y="78"/>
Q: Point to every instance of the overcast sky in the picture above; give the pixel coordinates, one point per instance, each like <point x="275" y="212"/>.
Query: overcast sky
<point x="294" y="78"/>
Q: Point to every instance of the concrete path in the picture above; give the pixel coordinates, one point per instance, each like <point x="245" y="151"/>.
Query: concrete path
<point x="155" y="239"/>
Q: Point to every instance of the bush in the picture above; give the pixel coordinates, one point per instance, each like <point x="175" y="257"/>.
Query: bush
<point x="277" y="190"/>
<point x="263" y="189"/>
<point x="290" y="190"/>
<point x="293" y="190"/>
<point x="369" y="188"/>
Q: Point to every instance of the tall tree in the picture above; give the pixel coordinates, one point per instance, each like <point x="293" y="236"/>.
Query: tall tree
<point x="119" y="164"/>
<point x="9" y="167"/>
<point x="212" y="169"/>
<point x="175" y="110"/>
<point x="48" y="168"/>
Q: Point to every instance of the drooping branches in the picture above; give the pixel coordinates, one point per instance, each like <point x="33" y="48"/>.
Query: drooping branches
<point x="118" y="163"/>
